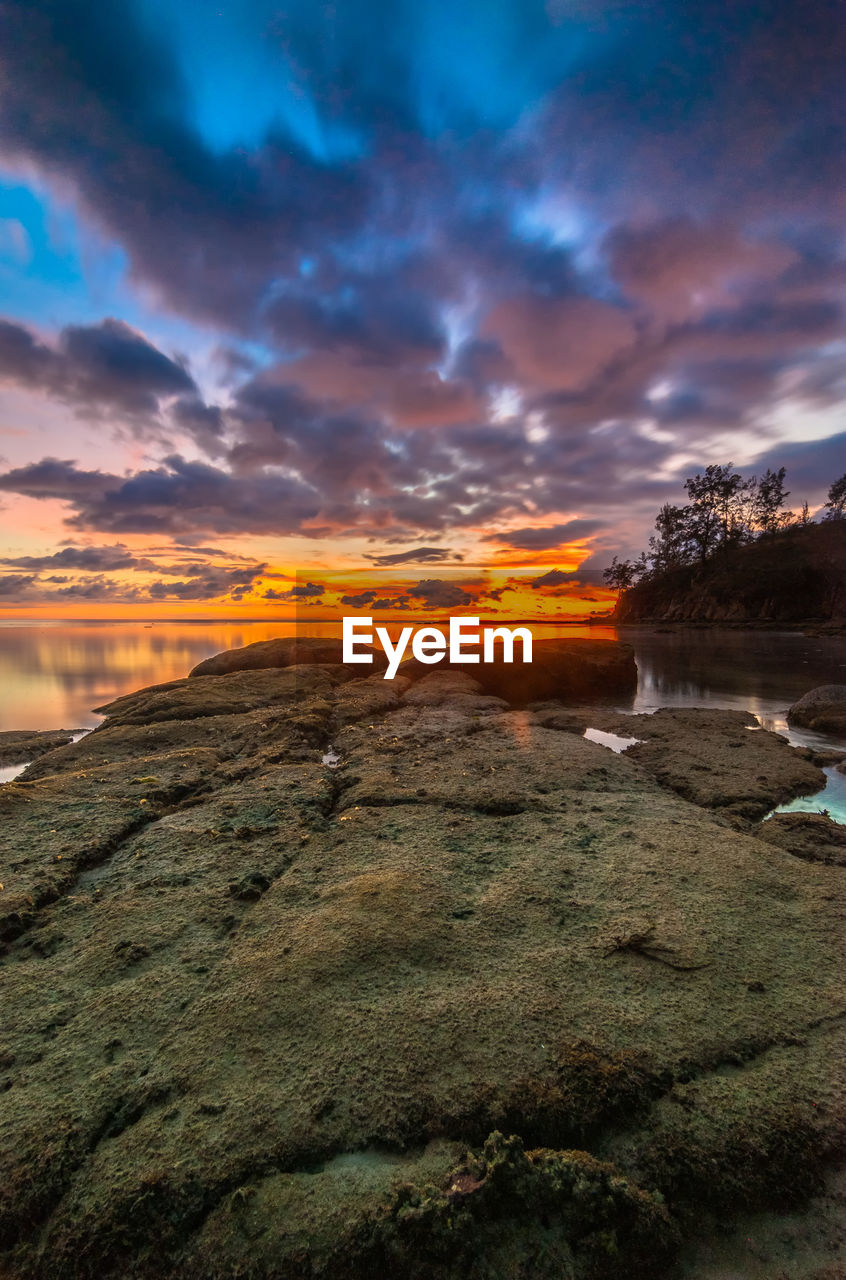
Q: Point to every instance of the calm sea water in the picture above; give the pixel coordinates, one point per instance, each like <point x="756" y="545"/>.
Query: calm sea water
<point x="53" y="675"/>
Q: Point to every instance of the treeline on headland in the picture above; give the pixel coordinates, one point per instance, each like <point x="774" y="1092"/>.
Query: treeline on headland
<point x="735" y="553"/>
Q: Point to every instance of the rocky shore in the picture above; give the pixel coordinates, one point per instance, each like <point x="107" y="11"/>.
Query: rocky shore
<point x="478" y="997"/>
<point x="22" y="746"/>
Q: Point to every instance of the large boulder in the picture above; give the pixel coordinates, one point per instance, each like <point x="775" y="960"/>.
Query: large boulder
<point x="567" y="670"/>
<point x="288" y="652"/>
<point x="238" y="693"/>
<point x="823" y="709"/>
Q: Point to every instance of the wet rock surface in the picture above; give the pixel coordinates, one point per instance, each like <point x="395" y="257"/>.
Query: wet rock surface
<point x="822" y="709"/>
<point x="720" y="760"/>
<point x="812" y="836"/>
<point x="21" y="747"/>
<point x="484" y="999"/>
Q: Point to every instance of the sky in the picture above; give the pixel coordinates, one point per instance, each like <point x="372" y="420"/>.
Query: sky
<point x="426" y="306"/>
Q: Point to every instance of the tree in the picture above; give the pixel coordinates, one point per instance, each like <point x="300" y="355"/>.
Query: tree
<point x="835" y="508"/>
<point x="724" y="510"/>
<point x="670" y="544"/>
<point x="747" y="501"/>
<point x="621" y="574"/>
<point x="715" y="507"/>
<point x="768" y="513"/>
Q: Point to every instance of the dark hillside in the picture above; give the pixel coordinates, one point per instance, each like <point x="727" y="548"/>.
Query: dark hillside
<point x="798" y="575"/>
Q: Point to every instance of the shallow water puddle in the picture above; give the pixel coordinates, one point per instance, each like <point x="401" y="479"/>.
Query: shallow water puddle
<point x="832" y="799"/>
<point x="612" y="740"/>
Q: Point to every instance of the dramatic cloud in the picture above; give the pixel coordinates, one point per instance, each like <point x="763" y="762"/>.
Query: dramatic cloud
<point x="361" y="600"/>
<point x="207" y="584"/>
<point x="101" y="578"/>
<point x="420" y="555"/>
<point x="436" y="275"/>
<point x="203" y="421"/>
<point x="557" y="578"/>
<point x="496" y="593"/>
<point x="305" y="592"/>
<point x="89" y="558"/>
<point x="437" y="594"/>
<point x="545" y="537"/>
<point x="55" y="478"/>
<point x="106" y="365"/>
<point x="96" y="590"/>
<point x="559" y="344"/>
<point x="679" y="269"/>
<point x="140" y="166"/>
<point x="15" y="584"/>
<point x="175" y="498"/>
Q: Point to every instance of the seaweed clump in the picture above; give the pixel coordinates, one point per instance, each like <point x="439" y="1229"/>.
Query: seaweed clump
<point x="511" y="1212"/>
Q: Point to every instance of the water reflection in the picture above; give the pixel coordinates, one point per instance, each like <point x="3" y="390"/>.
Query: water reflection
<point x="831" y="800"/>
<point x="52" y="675"/>
<point x="760" y="672"/>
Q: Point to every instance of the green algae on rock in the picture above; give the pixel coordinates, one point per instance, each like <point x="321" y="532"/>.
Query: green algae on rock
<point x="812" y="836"/>
<point x="261" y="1017"/>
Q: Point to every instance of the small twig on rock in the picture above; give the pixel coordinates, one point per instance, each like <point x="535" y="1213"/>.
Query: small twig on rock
<point x="643" y="944"/>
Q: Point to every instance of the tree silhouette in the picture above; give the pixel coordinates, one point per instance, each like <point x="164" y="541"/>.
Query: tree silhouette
<point x="715" y="507"/>
<point x="670" y="544"/>
<point x="835" y="508"/>
<point x="770" y="495"/>
<point x="621" y="574"/>
<point x="724" y="510"/>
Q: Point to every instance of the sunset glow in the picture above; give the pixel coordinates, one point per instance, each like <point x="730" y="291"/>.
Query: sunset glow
<point x="466" y="292"/>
